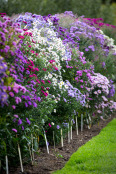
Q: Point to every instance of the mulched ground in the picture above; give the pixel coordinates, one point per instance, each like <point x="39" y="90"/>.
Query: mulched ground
<point x="46" y="164"/>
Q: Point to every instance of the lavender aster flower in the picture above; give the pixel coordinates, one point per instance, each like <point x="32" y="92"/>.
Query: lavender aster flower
<point x="58" y="127"/>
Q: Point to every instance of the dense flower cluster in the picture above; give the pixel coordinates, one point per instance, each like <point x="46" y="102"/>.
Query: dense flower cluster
<point x="98" y="22"/>
<point x="51" y="68"/>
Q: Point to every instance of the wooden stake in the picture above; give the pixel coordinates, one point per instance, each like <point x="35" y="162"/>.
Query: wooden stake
<point x="61" y="138"/>
<point x="90" y="122"/>
<point x="30" y="155"/>
<point x="76" y="125"/>
<point x="32" y="148"/>
<point x="46" y="142"/>
<point x="71" y="131"/>
<point x="0" y="165"/>
<point x="21" y="164"/>
<point x="6" y="164"/>
<point x="81" y="122"/>
<point x="54" y="139"/>
<point x="68" y="134"/>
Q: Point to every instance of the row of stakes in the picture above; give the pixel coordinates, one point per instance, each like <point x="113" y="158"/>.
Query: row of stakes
<point x="31" y="148"/>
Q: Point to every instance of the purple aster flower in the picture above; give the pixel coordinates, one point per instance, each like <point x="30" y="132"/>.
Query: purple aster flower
<point x="28" y="121"/>
<point x="91" y="47"/>
<point x="9" y="88"/>
<point x="14" y="120"/>
<point x="103" y="64"/>
<point x="15" y="90"/>
<point x="65" y="124"/>
<point x="86" y="49"/>
<point x="39" y="99"/>
<point x="19" y="121"/>
<point x="29" y="103"/>
<point x="17" y="100"/>
<point x="22" y="127"/>
<point x="26" y="105"/>
<point x="73" y="121"/>
<point x="27" y="72"/>
<point x="35" y="105"/>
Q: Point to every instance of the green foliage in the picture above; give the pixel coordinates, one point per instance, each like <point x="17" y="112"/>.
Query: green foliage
<point x="89" y="8"/>
<point x="113" y="6"/>
<point x="93" y="157"/>
<point x="104" y="13"/>
<point x="111" y="32"/>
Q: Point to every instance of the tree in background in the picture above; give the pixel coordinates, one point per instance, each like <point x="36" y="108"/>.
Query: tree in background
<point x="88" y="8"/>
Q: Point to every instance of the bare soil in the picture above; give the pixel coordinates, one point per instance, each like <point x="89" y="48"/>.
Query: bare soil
<point x="47" y="163"/>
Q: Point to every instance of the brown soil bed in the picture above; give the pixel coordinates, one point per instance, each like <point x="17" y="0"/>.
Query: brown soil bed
<point x="47" y="163"/>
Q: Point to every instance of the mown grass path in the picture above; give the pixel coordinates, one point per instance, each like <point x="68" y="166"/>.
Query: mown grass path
<point x="98" y="156"/>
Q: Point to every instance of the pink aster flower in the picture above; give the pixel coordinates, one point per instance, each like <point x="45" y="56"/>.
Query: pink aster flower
<point x="81" y="81"/>
<point x="55" y="68"/>
<point x="49" y="81"/>
<point x="16" y="116"/>
<point x="14" y="130"/>
<point x="43" y="81"/>
<point x="36" y="69"/>
<point x="32" y="51"/>
<point x="21" y="37"/>
<point x="13" y="106"/>
<point x="49" y="125"/>
<point x="37" y="80"/>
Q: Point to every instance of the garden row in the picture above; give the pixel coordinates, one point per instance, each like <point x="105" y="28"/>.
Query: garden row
<point x="55" y="71"/>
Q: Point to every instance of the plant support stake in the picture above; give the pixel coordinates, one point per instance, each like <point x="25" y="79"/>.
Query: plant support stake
<point x="30" y="155"/>
<point x="32" y="147"/>
<point x="61" y="138"/>
<point x="46" y="142"/>
<point x="6" y="164"/>
<point x="76" y="126"/>
<point x="0" y="166"/>
<point x="81" y="122"/>
<point x="54" y="139"/>
<point x="71" y="130"/>
<point x="68" y="134"/>
<point x="20" y="158"/>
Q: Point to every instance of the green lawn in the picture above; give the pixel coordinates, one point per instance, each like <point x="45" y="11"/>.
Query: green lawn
<point x="98" y="156"/>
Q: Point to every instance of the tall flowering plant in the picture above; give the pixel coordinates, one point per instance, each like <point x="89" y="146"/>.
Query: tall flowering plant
<point x="46" y="47"/>
<point x="15" y="95"/>
<point x="98" y="92"/>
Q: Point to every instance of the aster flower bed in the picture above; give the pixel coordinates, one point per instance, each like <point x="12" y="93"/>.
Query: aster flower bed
<point x="46" y="77"/>
<point x="97" y="47"/>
